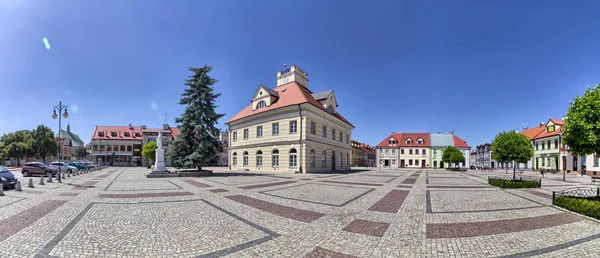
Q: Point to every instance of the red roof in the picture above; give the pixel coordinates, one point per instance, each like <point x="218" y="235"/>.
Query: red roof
<point x="289" y="94"/>
<point x="414" y="137"/>
<point x="460" y="143"/>
<point x="385" y="142"/>
<point x="533" y="132"/>
<point x="175" y="132"/>
<point x="556" y="121"/>
<point x="545" y="134"/>
<point x="120" y="133"/>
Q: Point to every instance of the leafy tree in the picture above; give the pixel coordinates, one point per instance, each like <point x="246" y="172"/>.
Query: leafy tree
<point x="453" y="155"/>
<point x="582" y="126"/>
<point x="512" y="146"/>
<point x="149" y="151"/>
<point x="81" y="152"/>
<point x="43" y="142"/>
<point x="198" y="142"/>
<point x="17" y="145"/>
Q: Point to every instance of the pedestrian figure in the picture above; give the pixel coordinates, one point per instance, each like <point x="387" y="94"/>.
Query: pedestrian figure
<point x="542" y="171"/>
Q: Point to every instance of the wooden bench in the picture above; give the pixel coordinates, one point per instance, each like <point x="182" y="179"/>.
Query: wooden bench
<point x="594" y="178"/>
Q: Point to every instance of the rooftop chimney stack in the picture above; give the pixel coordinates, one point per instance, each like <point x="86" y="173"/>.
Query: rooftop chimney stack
<point x="130" y="127"/>
<point x="165" y="126"/>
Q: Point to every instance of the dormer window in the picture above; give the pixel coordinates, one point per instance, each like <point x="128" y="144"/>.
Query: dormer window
<point x="113" y="134"/>
<point x="101" y="134"/>
<point x="127" y="134"/>
<point x="261" y="104"/>
<point x="392" y="141"/>
<point x="420" y="141"/>
<point x="138" y="135"/>
<point x="409" y="141"/>
<point x="551" y="128"/>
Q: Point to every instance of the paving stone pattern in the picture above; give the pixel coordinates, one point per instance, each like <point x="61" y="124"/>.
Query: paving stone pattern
<point x="118" y="212"/>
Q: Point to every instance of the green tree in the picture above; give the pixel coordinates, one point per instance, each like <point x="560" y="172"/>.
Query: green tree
<point x="453" y="155"/>
<point x="198" y="142"/>
<point x="582" y="125"/>
<point x="81" y="152"/>
<point x="17" y="145"/>
<point x="43" y="142"/>
<point x="149" y="151"/>
<point x="512" y="146"/>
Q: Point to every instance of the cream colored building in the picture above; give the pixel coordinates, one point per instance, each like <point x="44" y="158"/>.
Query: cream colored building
<point x="290" y="128"/>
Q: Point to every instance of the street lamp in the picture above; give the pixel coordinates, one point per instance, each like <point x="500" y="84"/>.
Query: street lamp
<point x="60" y="109"/>
<point x="560" y="135"/>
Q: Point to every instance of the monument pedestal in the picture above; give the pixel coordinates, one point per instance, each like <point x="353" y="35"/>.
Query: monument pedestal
<point x="159" y="169"/>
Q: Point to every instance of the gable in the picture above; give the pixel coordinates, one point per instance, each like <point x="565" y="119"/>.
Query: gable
<point x="263" y="91"/>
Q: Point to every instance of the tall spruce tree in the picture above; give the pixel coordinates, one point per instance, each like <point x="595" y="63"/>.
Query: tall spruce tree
<point x="198" y="143"/>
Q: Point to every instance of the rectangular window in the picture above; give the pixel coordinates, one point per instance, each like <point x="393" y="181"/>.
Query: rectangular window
<point x="434" y="152"/>
<point x="259" y="131"/>
<point x="393" y="151"/>
<point x="537" y="146"/>
<point x="108" y="147"/>
<point x="102" y="147"/>
<point x="424" y="152"/>
<point x="347" y="138"/>
<point x="235" y="160"/>
<point x="410" y="151"/>
<point x="259" y="161"/>
<point x="293" y="126"/>
<point x="332" y="133"/>
<point x="313" y="127"/>
<point x="245" y="134"/>
<point x="275" y="128"/>
<point x="596" y="161"/>
<point x="402" y="151"/>
<point x="410" y="162"/>
<point x="95" y="148"/>
<point x="416" y="162"/>
<point x="556" y="143"/>
<point x="548" y="144"/>
<point x="245" y="160"/>
<point x="234" y="136"/>
<point x="275" y="161"/>
<point x="387" y="151"/>
<point x="293" y="161"/>
<point x="129" y="148"/>
<point x="341" y="138"/>
<point x="324" y="131"/>
<point x="543" y="145"/>
<point x="393" y="162"/>
<point x="417" y="151"/>
<point x="122" y="147"/>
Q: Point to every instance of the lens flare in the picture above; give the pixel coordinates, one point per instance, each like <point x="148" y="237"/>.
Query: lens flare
<point x="45" y="40"/>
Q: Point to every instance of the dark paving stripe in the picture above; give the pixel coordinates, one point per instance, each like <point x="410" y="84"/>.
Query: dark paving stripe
<point x="277" y="209"/>
<point x="68" y="194"/>
<point x="305" y="178"/>
<point x="486" y="228"/>
<point x="79" y="188"/>
<point x="141" y="195"/>
<point x="266" y="185"/>
<point x="26" y="218"/>
<point x="322" y="252"/>
<point x="329" y="176"/>
<point x="282" y="177"/>
<point x="90" y="183"/>
<point x="367" y="227"/>
<point x="540" y="194"/>
<point x="351" y="183"/>
<point x="409" y="181"/>
<point x="196" y="183"/>
<point x="553" y="248"/>
<point x="458" y="186"/>
<point x="218" y="190"/>
<point x="391" y="202"/>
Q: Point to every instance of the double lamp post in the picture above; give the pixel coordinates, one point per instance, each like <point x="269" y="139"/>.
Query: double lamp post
<point x="60" y="109"/>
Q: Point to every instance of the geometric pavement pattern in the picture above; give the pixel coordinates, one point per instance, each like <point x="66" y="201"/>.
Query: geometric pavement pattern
<point x="118" y="212"/>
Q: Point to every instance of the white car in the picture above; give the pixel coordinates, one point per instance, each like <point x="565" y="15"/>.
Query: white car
<point x="63" y="167"/>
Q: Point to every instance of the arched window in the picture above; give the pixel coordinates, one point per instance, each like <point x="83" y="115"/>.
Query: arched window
<point x="261" y="104"/>
<point x="235" y="158"/>
<point x="258" y="158"/>
<point x="420" y="141"/>
<point x="324" y="159"/>
<point x="245" y="159"/>
<point x="312" y="159"/>
<point x="275" y="158"/>
<point x="293" y="158"/>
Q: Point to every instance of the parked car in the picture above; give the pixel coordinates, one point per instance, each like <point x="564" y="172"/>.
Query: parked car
<point x="88" y="164"/>
<point x="472" y="167"/>
<point x="39" y="168"/>
<point x="7" y="178"/>
<point x="63" y="167"/>
<point x="78" y="165"/>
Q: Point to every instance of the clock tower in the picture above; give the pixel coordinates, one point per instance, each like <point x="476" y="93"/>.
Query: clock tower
<point x="292" y="74"/>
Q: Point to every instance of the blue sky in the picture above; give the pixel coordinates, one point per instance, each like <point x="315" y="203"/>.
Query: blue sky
<point x="478" y="67"/>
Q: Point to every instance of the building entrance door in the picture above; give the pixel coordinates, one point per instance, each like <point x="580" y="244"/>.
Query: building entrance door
<point x="423" y="163"/>
<point x="333" y="161"/>
<point x="435" y="163"/>
<point x="401" y="163"/>
<point x="441" y="164"/>
<point x="386" y="163"/>
<point x="574" y="163"/>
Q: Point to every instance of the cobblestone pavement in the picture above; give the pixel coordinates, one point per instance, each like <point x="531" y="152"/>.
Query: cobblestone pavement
<point x="117" y="212"/>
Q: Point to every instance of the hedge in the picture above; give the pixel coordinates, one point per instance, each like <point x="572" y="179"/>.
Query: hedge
<point x="585" y="206"/>
<point x="503" y="183"/>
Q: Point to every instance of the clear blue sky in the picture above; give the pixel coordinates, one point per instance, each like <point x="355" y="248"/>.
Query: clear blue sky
<point x="477" y="67"/>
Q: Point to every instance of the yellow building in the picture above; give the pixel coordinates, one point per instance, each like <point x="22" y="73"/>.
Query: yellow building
<point x="290" y="128"/>
<point x="357" y="154"/>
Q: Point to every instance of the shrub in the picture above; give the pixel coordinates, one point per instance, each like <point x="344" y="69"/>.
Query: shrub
<point x="505" y="183"/>
<point x="584" y="206"/>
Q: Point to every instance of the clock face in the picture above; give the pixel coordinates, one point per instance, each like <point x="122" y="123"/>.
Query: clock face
<point x="285" y="80"/>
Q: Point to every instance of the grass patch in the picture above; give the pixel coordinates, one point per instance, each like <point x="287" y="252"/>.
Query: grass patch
<point x="504" y="183"/>
<point x="585" y="206"/>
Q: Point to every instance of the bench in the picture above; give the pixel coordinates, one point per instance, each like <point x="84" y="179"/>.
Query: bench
<point x="594" y="178"/>
<point x="520" y="171"/>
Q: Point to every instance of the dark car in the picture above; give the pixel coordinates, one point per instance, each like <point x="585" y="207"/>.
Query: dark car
<point x="79" y="166"/>
<point x="7" y="178"/>
<point x="31" y="168"/>
<point x="472" y="167"/>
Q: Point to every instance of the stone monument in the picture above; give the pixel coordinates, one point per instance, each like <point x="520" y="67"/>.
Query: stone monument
<point x="159" y="169"/>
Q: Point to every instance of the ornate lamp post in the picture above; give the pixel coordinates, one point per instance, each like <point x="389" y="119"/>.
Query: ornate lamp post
<point x="60" y="109"/>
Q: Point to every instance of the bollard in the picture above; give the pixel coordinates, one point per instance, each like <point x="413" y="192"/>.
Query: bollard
<point x="63" y="176"/>
<point x="49" y="179"/>
<point x="19" y="186"/>
<point x="30" y="183"/>
<point x="1" y="190"/>
<point x="41" y="181"/>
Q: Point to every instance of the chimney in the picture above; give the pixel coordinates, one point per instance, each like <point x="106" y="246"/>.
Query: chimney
<point x="143" y="127"/>
<point x="130" y="127"/>
<point x="165" y="126"/>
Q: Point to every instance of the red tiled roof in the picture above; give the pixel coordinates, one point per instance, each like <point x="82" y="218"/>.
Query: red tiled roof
<point x="533" y="132"/>
<point x="175" y="132"/>
<point x="385" y="143"/>
<point x="414" y="137"/>
<point x="289" y="94"/>
<point x="460" y="143"/>
<point x="556" y="121"/>
<point x="545" y="134"/>
<point x="120" y="130"/>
